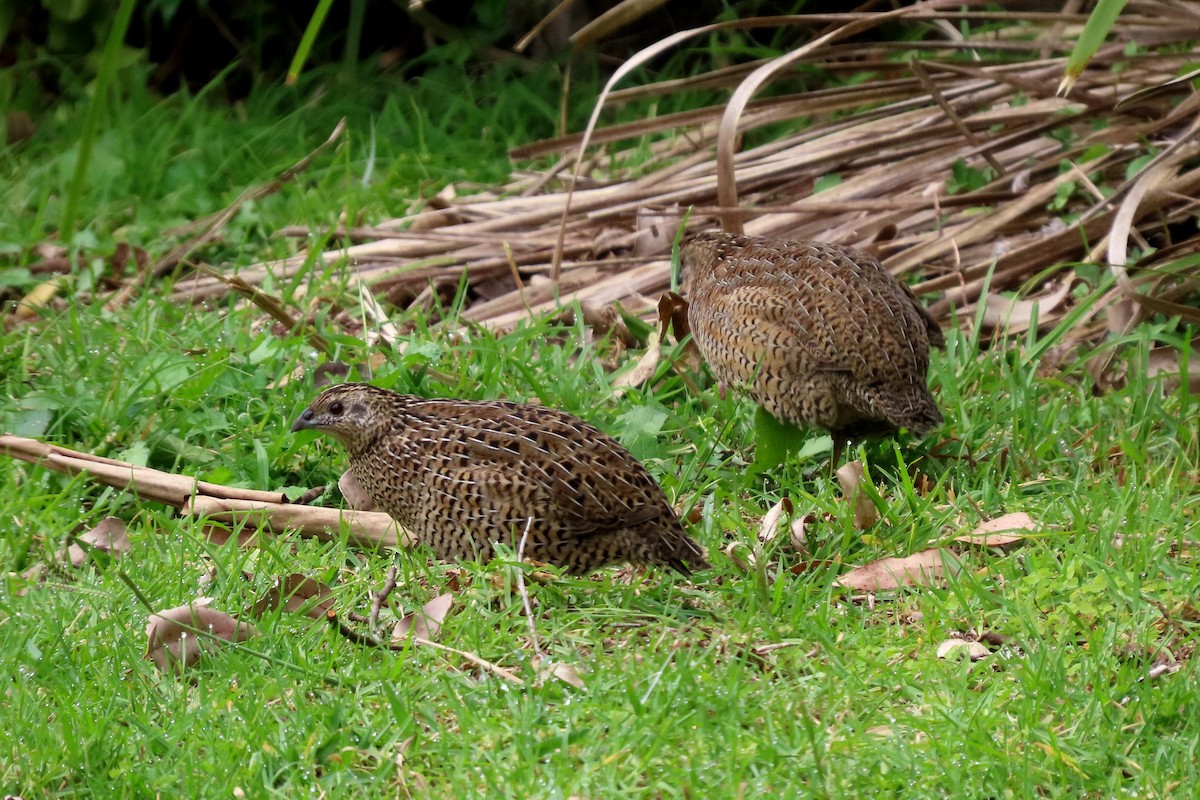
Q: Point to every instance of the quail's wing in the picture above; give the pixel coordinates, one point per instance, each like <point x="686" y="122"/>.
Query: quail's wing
<point x="932" y="329"/>
<point x="506" y="497"/>
<point x="521" y="460"/>
<point x="843" y="261"/>
<point x="768" y="318"/>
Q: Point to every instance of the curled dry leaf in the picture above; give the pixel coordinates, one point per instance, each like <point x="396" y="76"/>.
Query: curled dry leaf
<point x="960" y="648"/>
<point x="769" y="528"/>
<point x="644" y="369"/>
<point x="922" y="484"/>
<point x="673" y="311"/>
<point x="108" y="537"/>
<point x="37" y="298"/>
<point x="559" y="670"/>
<point x="673" y="314"/>
<point x="294" y="593"/>
<point x="425" y="622"/>
<point x="354" y="493"/>
<point x="851" y="477"/>
<point x="1014" y="315"/>
<point x="1158" y="670"/>
<point x="181" y="635"/>
<point x="796" y="533"/>
<point x="1000" y="531"/>
<point x="1172" y="366"/>
<point x="920" y="569"/>
<point x="734" y="551"/>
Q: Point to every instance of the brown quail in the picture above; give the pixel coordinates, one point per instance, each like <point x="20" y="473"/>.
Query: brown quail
<point x="821" y="335"/>
<point x="462" y="475"/>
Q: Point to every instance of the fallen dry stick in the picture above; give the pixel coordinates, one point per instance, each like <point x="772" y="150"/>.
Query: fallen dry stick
<point x="216" y="503"/>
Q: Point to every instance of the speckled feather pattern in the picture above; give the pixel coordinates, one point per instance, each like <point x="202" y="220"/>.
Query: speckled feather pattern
<point x="820" y="335"/>
<point x="462" y="475"/>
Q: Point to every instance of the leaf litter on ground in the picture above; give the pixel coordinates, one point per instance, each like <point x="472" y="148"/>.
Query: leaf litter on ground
<point x="180" y="636"/>
<point x="109" y="536"/>
<point x="931" y="566"/>
<point x="425" y="622"/>
<point x="294" y="593"/>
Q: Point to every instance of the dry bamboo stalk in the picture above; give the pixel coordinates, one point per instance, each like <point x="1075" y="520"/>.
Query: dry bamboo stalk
<point x="367" y="529"/>
<point x="214" y="502"/>
<point x="150" y="483"/>
<point x="892" y="146"/>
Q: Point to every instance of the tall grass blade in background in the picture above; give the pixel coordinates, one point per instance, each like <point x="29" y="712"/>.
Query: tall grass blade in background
<point x="96" y="111"/>
<point x="306" y="41"/>
<point x="1099" y="24"/>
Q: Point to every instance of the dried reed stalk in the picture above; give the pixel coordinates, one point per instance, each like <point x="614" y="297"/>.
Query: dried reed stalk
<point x="897" y="154"/>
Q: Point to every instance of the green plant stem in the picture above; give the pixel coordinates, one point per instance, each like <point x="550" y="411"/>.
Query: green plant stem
<point x="91" y="121"/>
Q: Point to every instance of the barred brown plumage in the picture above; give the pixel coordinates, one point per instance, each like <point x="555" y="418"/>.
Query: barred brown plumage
<point x="821" y="335"/>
<point x="462" y="475"/>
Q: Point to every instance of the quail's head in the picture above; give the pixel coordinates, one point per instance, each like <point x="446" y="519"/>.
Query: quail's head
<point x="353" y="413"/>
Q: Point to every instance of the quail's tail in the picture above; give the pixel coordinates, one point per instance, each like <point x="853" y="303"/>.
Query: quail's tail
<point x="924" y="417"/>
<point x="682" y="554"/>
<point x="913" y="408"/>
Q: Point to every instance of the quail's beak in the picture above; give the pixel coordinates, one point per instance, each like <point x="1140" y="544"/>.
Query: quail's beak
<point x="304" y="422"/>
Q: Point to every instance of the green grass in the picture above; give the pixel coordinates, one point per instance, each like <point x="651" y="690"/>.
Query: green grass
<point x="735" y="685"/>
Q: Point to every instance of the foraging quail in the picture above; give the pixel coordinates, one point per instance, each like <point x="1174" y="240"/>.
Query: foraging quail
<point x="462" y="475"/>
<point x="821" y="335"/>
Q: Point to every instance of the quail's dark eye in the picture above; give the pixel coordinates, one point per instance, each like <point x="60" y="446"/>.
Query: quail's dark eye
<point x="336" y="408"/>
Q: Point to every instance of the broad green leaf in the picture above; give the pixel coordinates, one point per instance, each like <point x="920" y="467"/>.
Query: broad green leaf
<point x="774" y="440"/>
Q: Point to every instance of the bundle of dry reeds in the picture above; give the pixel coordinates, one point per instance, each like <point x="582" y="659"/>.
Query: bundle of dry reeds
<point x="960" y="168"/>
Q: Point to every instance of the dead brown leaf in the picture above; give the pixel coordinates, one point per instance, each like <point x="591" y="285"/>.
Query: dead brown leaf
<point x="566" y="673"/>
<point x="734" y="552"/>
<point x="925" y="568"/>
<point x="108" y="536"/>
<point x="1015" y="315"/>
<point x="1171" y="364"/>
<point x="673" y="312"/>
<point x="851" y="477"/>
<point x="998" y="532"/>
<point x="960" y="648"/>
<point x="796" y="533"/>
<point x="686" y="359"/>
<point x="645" y="368"/>
<point x="425" y="622"/>
<point x="180" y="636"/>
<point x="37" y="298"/>
<point x="768" y="529"/>
<point x="294" y="593"/>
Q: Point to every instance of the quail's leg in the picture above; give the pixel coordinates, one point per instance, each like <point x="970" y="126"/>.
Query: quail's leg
<point x="839" y="449"/>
